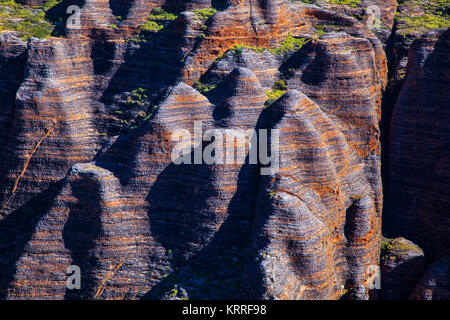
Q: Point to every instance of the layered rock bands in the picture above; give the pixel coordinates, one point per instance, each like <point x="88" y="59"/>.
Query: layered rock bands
<point x="88" y="122"/>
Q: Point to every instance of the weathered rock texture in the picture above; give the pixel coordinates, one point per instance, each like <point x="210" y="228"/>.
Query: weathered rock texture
<point x="87" y="123"/>
<point x="418" y="197"/>
<point x="402" y="265"/>
<point x="307" y="214"/>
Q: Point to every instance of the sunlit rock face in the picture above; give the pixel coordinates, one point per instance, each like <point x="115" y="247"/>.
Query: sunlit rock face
<point x="88" y="177"/>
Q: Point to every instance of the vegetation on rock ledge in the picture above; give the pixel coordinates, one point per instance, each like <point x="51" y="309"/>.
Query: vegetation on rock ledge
<point x="157" y="20"/>
<point x="28" y="21"/>
<point x="205" y="14"/>
<point x="351" y="3"/>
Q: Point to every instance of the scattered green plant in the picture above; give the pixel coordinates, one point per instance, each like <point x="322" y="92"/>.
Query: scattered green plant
<point x="202" y="88"/>
<point x="351" y="3"/>
<point x="137" y="38"/>
<point x="278" y="89"/>
<point x="391" y="249"/>
<point x="50" y="4"/>
<point x="142" y="117"/>
<point x="280" y="85"/>
<point x="152" y="26"/>
<point x="423" y="23"/>
<point x="320" y="30"/>
<point x="28" y="21"/>
<point x="159" y="14"/>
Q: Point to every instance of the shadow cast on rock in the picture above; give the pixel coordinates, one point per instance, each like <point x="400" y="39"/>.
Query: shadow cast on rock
<point x="80" y="232"/>
<point x="207" y="262"/>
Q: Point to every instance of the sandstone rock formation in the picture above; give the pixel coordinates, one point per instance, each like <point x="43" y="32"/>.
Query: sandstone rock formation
<point x="90" y="120"/>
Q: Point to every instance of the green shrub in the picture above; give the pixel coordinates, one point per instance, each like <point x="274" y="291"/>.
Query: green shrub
<point x="273" y="96"/>
<point x="435" y="16"/>
<point x="159" y="14"/>
<point x="157" y="20"/>
<point x="289" y="44"/>
<point x="138" y="96"/>
<point x="351" y="3"/>
<point x="320" y="30"/>
<point x="137" y="38"/>
<point x="50" y="4"/>
<point x="423" y="23"/>
<point x="280" y="85"/>
<point x="237" y="50"/>
<point x="152" y="26"/>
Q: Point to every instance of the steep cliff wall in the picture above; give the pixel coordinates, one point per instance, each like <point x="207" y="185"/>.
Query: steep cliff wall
<point x="87" y="122"/>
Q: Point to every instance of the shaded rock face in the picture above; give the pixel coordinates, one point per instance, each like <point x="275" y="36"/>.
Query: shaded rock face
<point x="89" y="123"/>
<point x="435" y="284"/>
<point x="368" y="12"/>
<point x="417" y="199"/>
<point x="402" y="265"/>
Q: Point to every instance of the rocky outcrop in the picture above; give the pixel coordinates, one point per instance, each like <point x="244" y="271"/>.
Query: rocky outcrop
<point x="307" y="214"/>
<point x="91" y="122"/>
